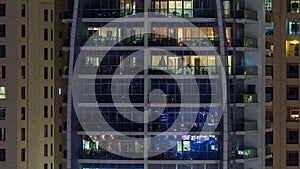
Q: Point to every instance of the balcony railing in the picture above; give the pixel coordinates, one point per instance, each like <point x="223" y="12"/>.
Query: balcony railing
<point x="294" y="53"/>
<point x="268" y="150"/>
<point x="243" y="98"/>
<point x="246" y="126"/>
<point x="246" y="42"/>
<point x="191" y="70"/>
<point x="246" y="70"/>
<point x="109" y="13"/>
<point x="245" y="153"/>
<point x="185" y="42"/>
<point x="103" y="41"/>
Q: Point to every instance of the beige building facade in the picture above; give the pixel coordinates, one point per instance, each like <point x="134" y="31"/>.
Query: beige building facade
<point x="31" y="92"/>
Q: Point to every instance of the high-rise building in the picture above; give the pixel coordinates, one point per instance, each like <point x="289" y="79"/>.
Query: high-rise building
<point x="30" y="103"/>
<point x="282" y="83"/>
<point x="172" y="84"/>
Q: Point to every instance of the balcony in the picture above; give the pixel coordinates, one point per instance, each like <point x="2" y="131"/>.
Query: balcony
<point x="191" y="42"/>
<point x="246" y="42"/>
<point x="269" y="97"/>
<point x="247" y="70"/>
<point x="268" y="150"/>
<point x="246" y="14"/>
<point x="246" y="153"/>
<point x="103" y="41"/>
<point x="243" y="98"/>
<point x="191" y="70"/>
<point x="68" y="15"/>
<point x="246" y="126"/>
<point x="108" y="13"/>
<point x="185" y="13"/>
<point x="293" y="53"/>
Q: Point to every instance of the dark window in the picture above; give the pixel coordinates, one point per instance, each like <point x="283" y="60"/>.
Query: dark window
<point x="23" y="92"/>
<point x="23" y="72"/>
<point x="59" y="72"/>
<point x="269" y="138"/>
<point x="23" y="113"/>
<point x="51" y="92"/>
<point x="23" y="134"/>
<point x="51" y="34"/>
<point x="45" y="131"/>
<point x="2" y="72"/>
<point x="23" y="154"/>
<point x="2" y="154"/>
<point x="59" y="15"/>
<point x="51" y="73"/>
<point x="23" y="31"/>
<point x="2" y="9"/>
<point x="269" y="94"/>
<point x="45" y="14"/>
<point x="51" y="16"/>
<point x="292" y="158"/>
<point x="269" y="162"/>
<point x="59" y="166"/>
<point x="51" y="130"/>
<point x="45" y="166"/>
<point x="45" y="92"/>
<point x="45" y="149"/>
<point x="292" y="71"/>
<point x="60" y="128"/>
<point x="2" y="30"/>
<point x="59" y="35"/>
<point x="45" y="34"/>
<point x="292" y="93"/>
<point x="51" y="111"/>
<point x="23" y="10"/>
<point x="45" y="53"/>
<point x="45" y="73"/>
<point x="269" y="70"/>
<point x="2" y="113"/>
<point x="51" y="150"/>
<point x="2" y="51"/>
<point x="51" y="53"/>
<point x="60" y="53"/>
<point x="45" y="111"/>
<point x="60" y="147"/>
<point x="23" y="51"/>
<point x="292" y="136"/>
<point x="2" y="134"/>
<point x="60" y="110"/>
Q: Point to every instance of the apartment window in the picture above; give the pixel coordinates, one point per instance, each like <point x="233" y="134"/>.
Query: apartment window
<point x="269" y="29"/>
<point x="293" y="6"/>
<point x="2" y="134"/>
<point x="45" y="14"/>
<point x="60" y="147"/>
<point x="23" y="31"/>
<point x="23" y="10"/>
<point x="292" y="158"/>
<point x="269" y="94"/>
<point x="292" y="93"/>
<point x="268" y="5"/>
<point x="60" y="53"/>
<point x="292" y="48"/>
<point x="51" y="92"/>
<point x="45" y="73"/>
<point x="45" y="53"/>
<point x="292" y="70"/>
<point x="269" y="70"/>
<point x="59" y="166"/>
<point x="2" y="9"/>
<point x="23" y="113"/>
<point x="23" y="51"/>
<point x="2" y="51"/>
<point x="51" y="73"/>
<point x="60" y="110"/>
<point x="51" y="15"/>
<point x="23" y="134"/>
<point x="45" y="34"/>
<point x="293" y="114"/>
<point x="45" y="111"/>
<point x="51" y="34"/>
<point x="2" y="113"/>
<point x="60" y="128"/>
<point x="2" y="154"/>
<point x="45" y="92"/>
<point x="51" y="53"/>
<point x="293" y="27"/>
<point x="51" y="130"/>
<point x="2" y="93"/>
<point x="51" y="149"/>
<point x="292" y="136"/>
<point x="45" y="130"/>
<point x="23" y="72"/>
<point x="2" y="30"/>
<point x="45" y="166"/>
<point x="2" y="72"/>
<point x="23" y="93"/>
<point x="59" y="15"/>
<point x="269" y="162"/>
<point x="45" y="149"/>
<point x="60" y="35"/>
<point x="269" y="138"/>
<point x="51" y="111"/>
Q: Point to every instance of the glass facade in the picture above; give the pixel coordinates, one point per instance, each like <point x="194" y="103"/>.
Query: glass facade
<point x="130" y="69"/>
